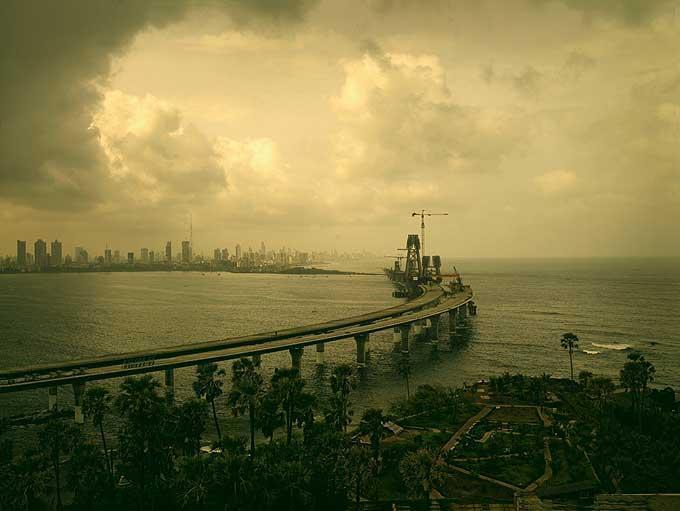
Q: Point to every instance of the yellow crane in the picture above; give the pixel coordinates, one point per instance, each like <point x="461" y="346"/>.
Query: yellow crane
<point x="423" y="213"/>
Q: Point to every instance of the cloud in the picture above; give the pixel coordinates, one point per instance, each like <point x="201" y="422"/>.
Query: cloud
<point x="400" y="120"/>
<point x="556" y="181"/>
<point x="630" y="12"/>
<point x="153" y="154"/>
<point x="54" y="61"/>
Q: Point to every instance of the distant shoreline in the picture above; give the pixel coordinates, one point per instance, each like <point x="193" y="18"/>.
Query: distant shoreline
<point x="296" y="270"/>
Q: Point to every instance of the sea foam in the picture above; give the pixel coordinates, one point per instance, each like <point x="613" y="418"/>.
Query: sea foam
<point x="617" y="347"/>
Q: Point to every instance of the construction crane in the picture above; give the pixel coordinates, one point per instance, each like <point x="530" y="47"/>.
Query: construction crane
<point x="422" y="216"/>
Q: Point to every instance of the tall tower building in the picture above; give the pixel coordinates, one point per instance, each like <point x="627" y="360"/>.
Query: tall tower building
<point x="168" y="251"/>
<point x="55" y="253"/>
<point x="217" y="255"/>
<point x="263" y="249"/>
<point x="186" y="251"/>
<point x="237" y="253"/>
<point x="21" y="253"/>
<point x="108" y="259"/>
<point x="40" y="254"/>
<point x="131" y="258"/>
<point x="145" y="255"/>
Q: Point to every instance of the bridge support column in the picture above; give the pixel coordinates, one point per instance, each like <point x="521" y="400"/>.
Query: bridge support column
<point x="296" y="358"/>
<point x="434" y="330"/>
<point x="321" y="353"/>
<point x="462" y="312"/>
<point x="361" y="340"/>
<point x="170" y="385"/>
<point x="257" y="360"/>
<point x="52" y="399"/>
<point x="452" y="324"/>
<point x="404" y="330"/>
<point x="397" y="334"/>
<point x="78" y="391"/>
<point x="417" y="329"/>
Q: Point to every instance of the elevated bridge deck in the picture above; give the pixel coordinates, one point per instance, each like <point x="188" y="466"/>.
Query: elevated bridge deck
<point x="432" y="302"/>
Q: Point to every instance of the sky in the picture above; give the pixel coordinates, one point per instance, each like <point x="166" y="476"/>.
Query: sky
<point x="545" y="128"/>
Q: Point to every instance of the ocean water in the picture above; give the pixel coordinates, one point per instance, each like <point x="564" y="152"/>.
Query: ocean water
<point x="613" y="305"/>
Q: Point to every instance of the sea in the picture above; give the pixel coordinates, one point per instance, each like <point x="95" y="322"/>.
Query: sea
<point x="614" y="305"/>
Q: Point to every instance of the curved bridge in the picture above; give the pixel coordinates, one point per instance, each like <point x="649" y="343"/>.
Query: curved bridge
<point x="420" y="315"/>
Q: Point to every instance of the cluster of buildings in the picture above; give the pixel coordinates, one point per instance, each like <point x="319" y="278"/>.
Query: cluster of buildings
<point x="52" y="258"/>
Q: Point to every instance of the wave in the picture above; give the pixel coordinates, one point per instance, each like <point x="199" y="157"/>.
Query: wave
<point x="590" y="352"/>
<point x="616" y="346"/>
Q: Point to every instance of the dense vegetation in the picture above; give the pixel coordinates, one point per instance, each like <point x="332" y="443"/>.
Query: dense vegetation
<point x="157" y="463"/>
<point x="310" y="459"/>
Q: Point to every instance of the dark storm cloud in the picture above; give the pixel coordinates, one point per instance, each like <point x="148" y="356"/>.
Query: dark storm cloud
<point x="631" y="12"/>
<point x="53" y="58"/>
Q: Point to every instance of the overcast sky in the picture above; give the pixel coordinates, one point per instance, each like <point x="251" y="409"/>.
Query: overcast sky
<point x="544" y="127"/>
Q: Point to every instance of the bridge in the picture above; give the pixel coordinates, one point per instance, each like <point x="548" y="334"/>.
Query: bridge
<point x="419" y="317"/>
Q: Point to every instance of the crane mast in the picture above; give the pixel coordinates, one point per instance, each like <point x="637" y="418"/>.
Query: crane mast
<point x="423" y="213"/>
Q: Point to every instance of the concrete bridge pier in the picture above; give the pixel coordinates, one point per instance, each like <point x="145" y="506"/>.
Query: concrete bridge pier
<point x="404" y="331"/>
<point x="397" y="334"/>
<point x="296" y="358"/>
<point x="170" y="385"/>
<point x="52" y="399"/>
<point x="434" y="329"/>
<point x="78" y="391"/>
<point x="462" y="312"/>
<point x="452" y="324"/>
<point x="417" y="329"/>
<point x="361" y="340"/>
<point x="321" y="353"/>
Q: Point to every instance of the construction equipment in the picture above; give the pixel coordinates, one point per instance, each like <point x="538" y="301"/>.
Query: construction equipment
<point x="422" y="216"/>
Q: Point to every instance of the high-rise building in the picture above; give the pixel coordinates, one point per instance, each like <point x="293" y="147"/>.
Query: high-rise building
<point x="217" y="255"/>
<point x="152" y="256"/>
<point x="168" y="251"/>
<point x="21" y="253"/>
<point x="237" y="252"/>
<point x="80" y="255"/>
<point x="263" y="249"/>
<point x="40" y="254"/>
<point x="225" y="254"/>
<point x="186" y="252"/>
<point x="145" y="255"/>
<point x="107" y="256"/>
<point x="116" y="256"/>
<point x="55" y="253"/>
<point x="131" y="258"/>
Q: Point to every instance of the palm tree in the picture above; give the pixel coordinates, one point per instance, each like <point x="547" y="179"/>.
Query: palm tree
<point x="246" y="393"/>
<point x="569" y="342"/>
<point x="144" y="438"/>
<point x="287" y="385"/>
<point x="270" y="417"/>
<point x="209" y="385"/>
<point x="635" y="376"/>
<point x="58" y="438"/>
<point x="342" y="383"/>
<point x="404" y="370"/>
<point x="360" y="468"/>
<point x="373" y="425"/>
<point x="190" y="418"/>
<point x="603" y="388"/>
<point x="419" y="472"/>
<point x="96" y="404"/>
<point x="23" y="481"/>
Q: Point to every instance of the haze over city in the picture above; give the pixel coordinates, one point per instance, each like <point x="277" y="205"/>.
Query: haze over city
<point x="546" y="128"/>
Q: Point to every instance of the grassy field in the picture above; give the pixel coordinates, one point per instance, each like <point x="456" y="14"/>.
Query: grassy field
<point x="526" y="415"/>
<point x="443" y="419"/>
<point x="520" y="471"/>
